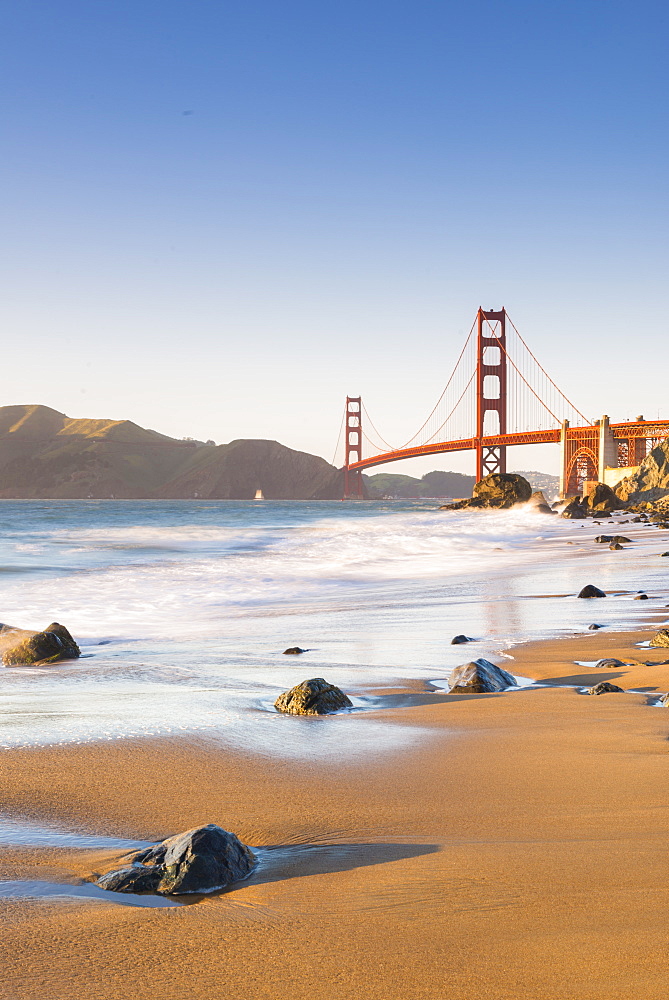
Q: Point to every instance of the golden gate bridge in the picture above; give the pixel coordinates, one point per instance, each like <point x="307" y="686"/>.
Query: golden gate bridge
<point x="499" y="396"/>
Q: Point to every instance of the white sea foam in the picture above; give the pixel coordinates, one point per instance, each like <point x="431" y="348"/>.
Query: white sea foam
<point x="200" y="600"/>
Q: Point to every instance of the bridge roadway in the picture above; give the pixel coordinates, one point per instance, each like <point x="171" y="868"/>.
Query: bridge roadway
<point x="649" y="429"/>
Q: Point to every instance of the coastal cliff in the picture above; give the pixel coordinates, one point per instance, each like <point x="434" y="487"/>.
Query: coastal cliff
<point x="44" y="453"/>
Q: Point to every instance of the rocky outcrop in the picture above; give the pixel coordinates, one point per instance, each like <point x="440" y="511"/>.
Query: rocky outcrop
<point x="604" y="687"/>
<point x="478" y="677"/>
<point x="499" y="491"/>
<point x="601" y="498"/>
<point x="651" y="481"/>
<point x="312" y="697"/>
<point x="503" y="489"/>
<point x="50" y="646"/>
<point x="661" y="638"/>
<point x="591" y="591"/>
<point x="200" y="860"/>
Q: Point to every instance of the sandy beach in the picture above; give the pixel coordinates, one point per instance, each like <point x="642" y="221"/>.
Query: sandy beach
<point x="515" y="850"/>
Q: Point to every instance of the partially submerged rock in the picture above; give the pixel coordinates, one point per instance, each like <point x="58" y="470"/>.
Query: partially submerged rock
<point x="604" y="687"/>
<point x="312" y="697"/>
<point x="50" y="646"/>
<point x="661" y="638"/>
<point x="615" y="546"/>
<point x="594" y="627"/>
<point x="499" y="491"/>
<point x="591" y="591"/>
<point x="457" y="640"/>
<point x="609" y="662"/>
<point x="641" y="597"/>
<point x="293" y="651"/>
<point x="478" y="677"/>
<point x="200" y="860"/>
<point x="604" y="538"/>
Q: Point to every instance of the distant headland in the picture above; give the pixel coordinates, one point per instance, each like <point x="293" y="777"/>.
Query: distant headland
<point x="46" y="454"/>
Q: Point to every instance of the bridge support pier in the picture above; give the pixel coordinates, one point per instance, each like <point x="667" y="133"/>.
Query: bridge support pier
<point x="353" y="487"/>
<point x="491" y="393"/>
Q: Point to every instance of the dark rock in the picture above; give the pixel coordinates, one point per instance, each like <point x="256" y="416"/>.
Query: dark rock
<point x="664" y="700"/>
<point x="621" y="539"/>
<point x="601" y="500"/>
<point x="594" y="627"/>
<point x="604" y="538"/>
<point x="312" y="697"/>
<point x="591" y="591"/>
<point x="574" y="509"/>
<point x="458" y="639"/>
<point x="200" y="860"/>
<point x="609" y="663"/>
<point x="293" y="651"/>
<point x="503" y="490"/>
<point x="664" y="553"/>
<point x="604" y="687"/>
<point x="661" y="638"/>
<point x="615" y="546"/>
<point x="641" y="597"/>
<point x="478" y="677"/>
<point x="50" y="646"/>
<point x="139" y="878"/>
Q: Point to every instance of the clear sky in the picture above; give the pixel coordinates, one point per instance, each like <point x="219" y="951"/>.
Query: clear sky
<point x="220" y="218"/>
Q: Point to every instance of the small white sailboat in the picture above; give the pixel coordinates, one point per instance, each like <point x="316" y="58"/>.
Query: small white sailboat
<point x="258" y="495"/>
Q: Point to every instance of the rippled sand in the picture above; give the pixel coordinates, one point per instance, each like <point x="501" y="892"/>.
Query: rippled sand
<point x="517" y="850"/>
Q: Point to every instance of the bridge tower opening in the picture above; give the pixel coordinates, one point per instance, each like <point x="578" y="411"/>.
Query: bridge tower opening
<point x="491" y="391"/>
<point x="353" y="489"/>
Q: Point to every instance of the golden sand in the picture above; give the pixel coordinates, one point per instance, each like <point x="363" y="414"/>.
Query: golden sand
<point x="516" y="850"/>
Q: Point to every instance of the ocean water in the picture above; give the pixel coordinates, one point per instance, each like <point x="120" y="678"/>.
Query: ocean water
<point x="183" y="610"/>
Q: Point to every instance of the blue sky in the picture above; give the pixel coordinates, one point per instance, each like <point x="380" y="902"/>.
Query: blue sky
<point x="221" y="218"/>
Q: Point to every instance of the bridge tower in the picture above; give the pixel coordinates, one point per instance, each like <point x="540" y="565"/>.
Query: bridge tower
<point x="353" y="478"/>
<point x="491" y="394"/>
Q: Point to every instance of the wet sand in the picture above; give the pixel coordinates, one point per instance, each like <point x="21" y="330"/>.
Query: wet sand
<point x="516" y="850"/>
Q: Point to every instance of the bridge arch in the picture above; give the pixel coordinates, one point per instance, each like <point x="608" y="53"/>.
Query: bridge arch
<point x="583" y="465"/>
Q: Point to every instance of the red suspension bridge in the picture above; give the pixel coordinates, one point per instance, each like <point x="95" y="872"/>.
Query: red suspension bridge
<point x="498" y="396"/>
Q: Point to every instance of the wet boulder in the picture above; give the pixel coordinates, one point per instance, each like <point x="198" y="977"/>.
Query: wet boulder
<point x="610" y="663"/>
<point x="50" y="646"/>
<point x="293" y="651"/>
<point x="502" y="490"/>
<point x="457" y="640"/>
<point x="312" y="697"/>
<point x="479" y="677"/>
<point x="574" y="509"/>
<point x="602" y="499"/>
<point x="200" y="860"/>
<point x="615" y="546"/>
<point x="594" y="627"/>
<point x="621" y="539"/>
<point x="591" y="591"/>
<point x="604" y="538"/>
<point x="664" y="700"/>
<point x="539" y="503"/>
<point x="661" y="638"/>
<point x="641" y="597"/>
<point x="604" y="687"/>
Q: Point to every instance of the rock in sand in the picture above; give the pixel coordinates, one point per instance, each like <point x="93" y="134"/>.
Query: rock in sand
<point x="200" y="860"/>
<point x="479" y="677"/>
<point x="604" y="687"/>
